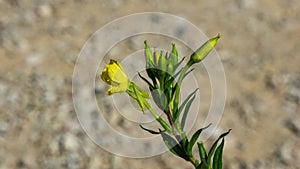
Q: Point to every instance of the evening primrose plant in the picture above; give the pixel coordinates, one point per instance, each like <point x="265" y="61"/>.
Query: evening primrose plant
<point x="164" y="81"/>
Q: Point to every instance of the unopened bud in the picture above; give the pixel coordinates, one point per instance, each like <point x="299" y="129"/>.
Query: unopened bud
<point x="203" y="51"/>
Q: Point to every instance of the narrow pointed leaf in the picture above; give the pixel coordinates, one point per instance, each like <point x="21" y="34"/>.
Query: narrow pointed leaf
<point x="195" y="138"/>
<point x="177" y="88"/>
<point x="151" y="73"/>
<point x="179" y="63"/>
<point x="176" y="75"/>
<point x="169" y="81"/>
<point x="212" y="149"/>
<point x="188" y="72"/>
<point x="173" y="146"/>
<point x="159" y="99"/>
<point x="202" y="152"/>
<point x="151" y="131"/>
<point x="142" y="77"/>
<point x="183" y="104"/>
<point x="186" y="111"/>
<point x="217" y="161"/>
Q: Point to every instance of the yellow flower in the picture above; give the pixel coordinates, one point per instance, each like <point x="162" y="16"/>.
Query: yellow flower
<point x="114" y="75"/>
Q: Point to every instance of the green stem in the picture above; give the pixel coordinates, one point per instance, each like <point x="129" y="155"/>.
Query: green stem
<point x="157" y="117"/>
<point x="177" y="90"/>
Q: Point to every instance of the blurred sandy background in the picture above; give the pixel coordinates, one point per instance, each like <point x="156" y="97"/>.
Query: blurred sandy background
<point x="39" y="44"/>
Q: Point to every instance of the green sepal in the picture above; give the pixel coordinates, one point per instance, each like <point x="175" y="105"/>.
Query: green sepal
<point x="134" y="97"/>
<point x="140" y="99"/>
<point x="140" y="91"/>
<point x="217" y="161"/>
<point x="194" y="139"/>
<point x="138" y="95"/>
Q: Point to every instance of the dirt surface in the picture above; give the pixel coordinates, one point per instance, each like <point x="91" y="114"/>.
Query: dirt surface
<point x="39" y="44"/>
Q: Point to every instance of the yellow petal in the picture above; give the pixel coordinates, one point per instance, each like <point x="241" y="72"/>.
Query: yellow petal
<point x="114" y="75"/>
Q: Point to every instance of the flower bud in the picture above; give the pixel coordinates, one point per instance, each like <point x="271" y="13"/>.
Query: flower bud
<point x="203" y="51"/>
<point x="148" y="55"/>
<point x="174" y="55"/>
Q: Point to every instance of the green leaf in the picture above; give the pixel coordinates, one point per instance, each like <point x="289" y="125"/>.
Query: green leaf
<point x="186" y="111"/>
<point x="173" y="146"/>
<point x="159" y="99"/>
<point x="217" y="161"/>
<point x="151" y="131"/>
<point x="179" y="63"/>
<point x="188" y="72"/>
<point x="169" y="81"/>
<point x="177" y="88"/>
<point x="203" y="157"/>
<point x="176" y="74"/>
<point x="194" y="139"/>
<point x="177" y="114"/>
<point x="212" y="149"/>
<point x="149" y="84"/>
<point x="151" y="74"/>
<point x="202" y="152"/>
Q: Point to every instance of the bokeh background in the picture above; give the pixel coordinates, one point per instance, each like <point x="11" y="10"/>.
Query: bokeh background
<point x="40" y="41"/>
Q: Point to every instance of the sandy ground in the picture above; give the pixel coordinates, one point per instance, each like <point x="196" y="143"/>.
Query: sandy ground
<point x="39" y="44"/>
